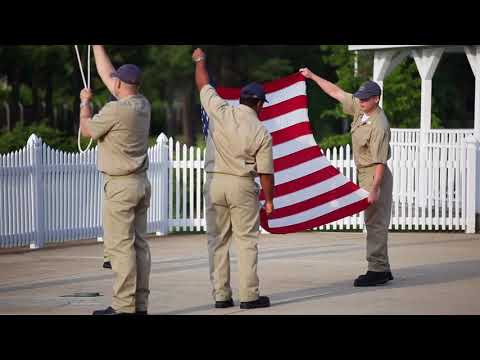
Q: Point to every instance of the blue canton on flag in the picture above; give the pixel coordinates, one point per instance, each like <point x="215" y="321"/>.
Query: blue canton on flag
<point x="205" y="120"/>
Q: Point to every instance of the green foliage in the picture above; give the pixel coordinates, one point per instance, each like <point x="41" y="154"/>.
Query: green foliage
<point x="200" y="141"/>
<point x="343" y="60"/>
<point x="453" y="93"/>
<point x="272" y="69"/>
<point x="4" y="89"/>
<point x="152" y="141"/>
<point x="402" y="96"/>
<point x="337" y="66"/>
<point x="402" y="87"/>
<point x="336" y="141"/>
<point x="56" y="139"/>
<point x="35" y="74"/>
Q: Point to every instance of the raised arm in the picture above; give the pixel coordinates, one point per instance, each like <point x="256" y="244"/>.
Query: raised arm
<point x="201" y="73"/>
<point x="328" y="87"/>
<point x="104" y="67"/>
<point x="213" y="104"/>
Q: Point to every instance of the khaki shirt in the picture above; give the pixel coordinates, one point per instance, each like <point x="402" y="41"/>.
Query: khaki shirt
<point x="370" y="140"/>
<point x="237" y="143"/>
<point x="122" y="129"/>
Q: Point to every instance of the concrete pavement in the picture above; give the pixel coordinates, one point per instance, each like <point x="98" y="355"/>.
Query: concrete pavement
<point x="305" y="273"/>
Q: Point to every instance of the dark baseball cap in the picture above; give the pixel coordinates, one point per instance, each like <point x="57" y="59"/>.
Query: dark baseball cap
<point x="367" y="90"/>
<point x="128" y="73"/>
<point x="254" y="91"/>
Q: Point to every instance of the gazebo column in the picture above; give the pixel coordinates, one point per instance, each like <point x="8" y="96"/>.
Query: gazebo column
<point x="473" y="55"/>
<point x="427" y="61"/>
<point x="381" y="63"/>
<point x="384" y="62"/>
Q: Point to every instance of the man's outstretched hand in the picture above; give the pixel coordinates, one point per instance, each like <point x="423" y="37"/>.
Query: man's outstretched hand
<point x="201" y="73"/>
<point x="306" y="73"/>
<point x="198" y="55"/>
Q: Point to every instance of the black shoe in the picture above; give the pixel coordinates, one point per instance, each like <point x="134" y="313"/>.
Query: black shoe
<point x="109" y="311"/>
<point x="107" y="265"/>
<point x="261" y="302"/>
<point x="389" y="273"/>
<point x="224" y="304"/>
<point x="372" y="278"/>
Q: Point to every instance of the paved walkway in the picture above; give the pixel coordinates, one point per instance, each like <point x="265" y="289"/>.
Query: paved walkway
<point x="306" y="273"/>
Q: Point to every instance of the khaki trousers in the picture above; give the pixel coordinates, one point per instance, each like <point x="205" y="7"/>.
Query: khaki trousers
<point x="106" y="254"/>
<point x="377" y="219"/>
<point x="232" y="211"/>
<point x="126" y="200"/>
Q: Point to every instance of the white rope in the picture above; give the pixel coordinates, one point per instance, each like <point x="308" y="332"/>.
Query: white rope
<point x="88" y="60"/>
<point x="87" y="86"/>
<point x="81" y="67"/>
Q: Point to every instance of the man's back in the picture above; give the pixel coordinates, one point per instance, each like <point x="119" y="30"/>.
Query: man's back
<point x="238" y="144"/>
<point x="122" y="128"/>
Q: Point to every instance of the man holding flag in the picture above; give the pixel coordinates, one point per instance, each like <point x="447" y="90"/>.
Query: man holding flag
<point x="239" y="148"/>
<point x="371" y="151"/>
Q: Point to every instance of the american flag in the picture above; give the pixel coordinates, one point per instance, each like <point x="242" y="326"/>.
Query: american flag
<point x="205" y="120"/>
<point x="309" y="192"/>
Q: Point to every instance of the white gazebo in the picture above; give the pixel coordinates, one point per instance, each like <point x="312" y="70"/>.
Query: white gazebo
<point x="436" y="153"/>
<point x="426" y="57"/>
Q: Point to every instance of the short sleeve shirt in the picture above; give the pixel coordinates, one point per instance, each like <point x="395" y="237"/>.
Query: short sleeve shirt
<point x="237" y="143"/>
<point x="122" y="128"/>
<point x="370" y="139"/>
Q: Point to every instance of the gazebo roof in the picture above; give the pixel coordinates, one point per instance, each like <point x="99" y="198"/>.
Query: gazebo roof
<point x="380" y="47"/>
<point x="448" y="48"/>
<point x="427" y="57"/>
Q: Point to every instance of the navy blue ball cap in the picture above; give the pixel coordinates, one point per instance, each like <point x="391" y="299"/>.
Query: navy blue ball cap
<point x="128" y="73"/>
<point x="254" y="91"/>
<point x="367" y="90"/>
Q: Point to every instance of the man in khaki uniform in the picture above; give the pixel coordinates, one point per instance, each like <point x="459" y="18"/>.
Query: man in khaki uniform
<point x="371" y="150"/>
<point x="239" y="148"/>
<point x="106" y="257"/>
<point x="122" y="128"/>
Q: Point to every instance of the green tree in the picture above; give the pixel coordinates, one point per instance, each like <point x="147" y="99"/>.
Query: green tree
<point x="401" y="98"/>
<point x="49" y="74"/>
<point x="169" y="86"/>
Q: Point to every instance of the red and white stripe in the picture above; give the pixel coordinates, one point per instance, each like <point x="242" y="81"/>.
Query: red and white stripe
<point x="309" y="191"/>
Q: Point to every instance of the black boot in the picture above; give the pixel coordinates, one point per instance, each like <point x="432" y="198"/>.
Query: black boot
<point x="109" y="311"/>
<point x="261" y="302"/>
<point x="373" y="278"/>
<point x="224" y="304"/>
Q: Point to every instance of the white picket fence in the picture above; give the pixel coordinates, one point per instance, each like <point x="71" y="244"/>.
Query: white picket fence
<point x="48" y="196"/>
<point x="439" y="201"/>
<point x="186" y="177"/>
